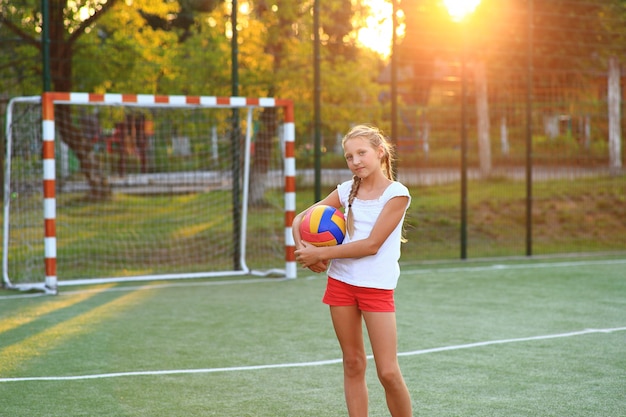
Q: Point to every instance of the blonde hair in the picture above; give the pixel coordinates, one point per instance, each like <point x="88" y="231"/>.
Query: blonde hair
<point x="376" y="139"/>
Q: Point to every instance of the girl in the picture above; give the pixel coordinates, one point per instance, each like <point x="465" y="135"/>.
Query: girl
<point x="364" y="270"/>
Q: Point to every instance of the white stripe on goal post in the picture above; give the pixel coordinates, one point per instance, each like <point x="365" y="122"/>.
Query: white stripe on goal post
<point x="49" y="175"/>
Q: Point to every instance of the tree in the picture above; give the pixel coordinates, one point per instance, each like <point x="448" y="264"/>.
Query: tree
<point x="156" y="47"/>
<point x="69" y="23"/>
<point x="284" y="38"/>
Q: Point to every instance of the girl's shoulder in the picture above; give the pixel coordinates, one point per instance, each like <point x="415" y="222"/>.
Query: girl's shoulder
<point x="397" y="189"/>
<point x="346" y="184"/>
<point x="344" y="187"/>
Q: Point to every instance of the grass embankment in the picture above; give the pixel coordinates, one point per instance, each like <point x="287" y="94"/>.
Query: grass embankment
<point x="583" y="215"/>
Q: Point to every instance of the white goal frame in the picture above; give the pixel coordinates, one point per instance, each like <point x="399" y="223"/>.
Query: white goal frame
<point x="49" y="99"/>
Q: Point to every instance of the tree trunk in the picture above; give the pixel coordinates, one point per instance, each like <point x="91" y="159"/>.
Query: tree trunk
<point x="262" y="156"/>
<point x="614" y="102"/>
<point x="504" y="137"/>
<point x="80" y="144"/>
<point x="61" y="74"/>
<point x="482" y="114"/>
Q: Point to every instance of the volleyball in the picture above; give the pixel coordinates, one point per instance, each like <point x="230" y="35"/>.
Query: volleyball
<point x="323" y="226"/>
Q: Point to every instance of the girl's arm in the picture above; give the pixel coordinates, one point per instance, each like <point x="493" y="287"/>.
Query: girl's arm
<point x="331" y="200"/>
<point x="390" y="216"/>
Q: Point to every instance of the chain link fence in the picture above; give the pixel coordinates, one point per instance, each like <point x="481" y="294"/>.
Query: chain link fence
<point x="509" y="124"/>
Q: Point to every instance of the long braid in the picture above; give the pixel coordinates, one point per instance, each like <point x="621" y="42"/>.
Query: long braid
<point x="387" y="162"/>
<point x="356" y="183"/>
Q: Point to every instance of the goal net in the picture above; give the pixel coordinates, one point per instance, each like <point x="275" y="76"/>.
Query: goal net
<point x="123" y="187"/>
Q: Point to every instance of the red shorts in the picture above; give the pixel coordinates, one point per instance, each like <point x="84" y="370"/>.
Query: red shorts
<point x="339" y="293"/>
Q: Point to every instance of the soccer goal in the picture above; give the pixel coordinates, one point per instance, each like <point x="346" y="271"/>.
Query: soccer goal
<point x="128" y="187"/>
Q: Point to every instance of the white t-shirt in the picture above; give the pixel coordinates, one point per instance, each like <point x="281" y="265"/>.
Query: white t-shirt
<point x="375" y="271"/>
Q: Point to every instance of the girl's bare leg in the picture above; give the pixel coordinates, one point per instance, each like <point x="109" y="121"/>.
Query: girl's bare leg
<point x="348" y="327"/>
<point x="383" y="337"/>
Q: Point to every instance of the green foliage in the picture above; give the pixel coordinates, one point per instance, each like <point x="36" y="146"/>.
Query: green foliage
<point x="184" y="47"/>
<point x="142" y="47"/>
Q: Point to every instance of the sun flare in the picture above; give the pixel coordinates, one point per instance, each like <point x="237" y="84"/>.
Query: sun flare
<point x="458" y="9"/>
<point x="378" y="30"/>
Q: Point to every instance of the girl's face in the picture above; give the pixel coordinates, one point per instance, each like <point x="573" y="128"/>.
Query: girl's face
<point x="362" y="158"/>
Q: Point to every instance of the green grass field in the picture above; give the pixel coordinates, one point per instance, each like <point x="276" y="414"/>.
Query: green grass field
<point x="524" y="338"/>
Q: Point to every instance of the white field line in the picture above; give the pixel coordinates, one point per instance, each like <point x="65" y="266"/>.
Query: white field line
<point x="304" y="364"/>
<point x="502" y="267"/>
<point x="468" y="268"/>
<point x="154" y="286"/>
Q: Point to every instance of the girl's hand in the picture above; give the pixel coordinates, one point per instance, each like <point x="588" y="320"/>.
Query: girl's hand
<point x="307" y="256"/>
<point x="319" y="267"/>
